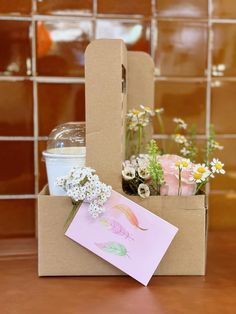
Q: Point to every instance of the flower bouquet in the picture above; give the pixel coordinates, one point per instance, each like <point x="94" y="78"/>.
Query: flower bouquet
<point x="154" y="171"/>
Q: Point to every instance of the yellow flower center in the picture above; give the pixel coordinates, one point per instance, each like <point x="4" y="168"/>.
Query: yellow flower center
<point x="201" y="169"/>
<point x="197" y="175"/>
<point x="218" y="166"/>
<point x="136" y="112"/>
<point x="184" y="163"/>
<point x="178" y="163"/>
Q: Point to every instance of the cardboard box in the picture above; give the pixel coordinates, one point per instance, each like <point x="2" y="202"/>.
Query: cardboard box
<point x="59" y="256"/>
<point x="114" y="77"/>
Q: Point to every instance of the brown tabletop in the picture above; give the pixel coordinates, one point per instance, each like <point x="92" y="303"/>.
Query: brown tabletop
<point x="22" y="292"/>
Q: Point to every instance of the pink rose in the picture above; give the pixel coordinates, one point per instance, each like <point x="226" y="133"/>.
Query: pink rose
<point x="171" y="176"/>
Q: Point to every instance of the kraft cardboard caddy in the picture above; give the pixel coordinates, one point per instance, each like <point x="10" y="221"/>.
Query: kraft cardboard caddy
<point x="117" y="80"/>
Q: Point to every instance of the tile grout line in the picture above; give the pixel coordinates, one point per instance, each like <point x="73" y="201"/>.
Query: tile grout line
<point x="76" y="80"/>
<point x="44" y="79"/>
<point x="24" y="138"/>
<point x="17" y="196"/>
<point x="45" y="138"/>
<point x="34" y="6"/>
<point x="35" y="108"/>
<point x="121" y="17"/>
<point x="209" y="78"/>
<point x="154" y="31"/>
<point x="94" y="19"/>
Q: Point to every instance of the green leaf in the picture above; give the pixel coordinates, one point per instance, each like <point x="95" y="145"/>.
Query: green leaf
<point x="113" y="248"/>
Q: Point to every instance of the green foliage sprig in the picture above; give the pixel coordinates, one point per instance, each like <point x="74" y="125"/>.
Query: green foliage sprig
<point x="154" y="168"/>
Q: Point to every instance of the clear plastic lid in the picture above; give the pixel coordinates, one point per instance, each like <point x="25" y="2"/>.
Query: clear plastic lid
<point x="67" y="139"/>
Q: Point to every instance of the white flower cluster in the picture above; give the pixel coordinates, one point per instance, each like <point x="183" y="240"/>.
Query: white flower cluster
<point x="140" y="118"/>
<point x="82" y="184"/>
<point x="136" y="164"/>
<point x="137" y="167"/>
<point x="180" y="139"/>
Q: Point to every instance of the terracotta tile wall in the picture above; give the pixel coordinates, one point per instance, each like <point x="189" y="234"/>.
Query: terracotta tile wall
<point x="42" y="83"/>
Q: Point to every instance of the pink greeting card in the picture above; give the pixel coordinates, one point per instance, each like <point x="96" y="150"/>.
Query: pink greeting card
<point x="127" y="235"/>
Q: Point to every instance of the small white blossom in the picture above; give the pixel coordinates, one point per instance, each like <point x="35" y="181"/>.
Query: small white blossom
<point x="128" y="173"/>
<point x="148" y="110"/>
<point x="143" y="190"/>
<point x="143" y="160"/>
<point x="184" y="151"/>
<point x="159" y="110"/>
<point x="82" y="184"/>
<point x="217" y="166"/>
<point x="143" y="173"/>
<point x="216" y="145"/>
<point x="180" y="122"/>
<point x="180" y="139"/>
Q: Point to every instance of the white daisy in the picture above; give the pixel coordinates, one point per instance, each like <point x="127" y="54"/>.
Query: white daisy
<point x="148" y="110"/>
<point x="159" y="110"/>
<point x="181" y="123"/>
<point x="216" y="145"/>
<point x="197" y="177"/>
<point x="143" y="190"/>
<point x="134" y="113"/>
<point x="184" y="151"/>
<point x="143" y="121"/>
<point x="180" y="139"/>
<point x="217" y="166"/>
<point x="128" y="173"/>
<point x="203" y="169"/>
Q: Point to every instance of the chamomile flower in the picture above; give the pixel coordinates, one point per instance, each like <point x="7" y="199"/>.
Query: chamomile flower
<point x="159" y="110"/>
<point x="216" y="145"/>
<point x="148" y="110"/>
<point x="217" y="166"/>
<point x="197" y="177"/>
<point x="143" y="190"/>
<point x="180" y="122"/>
<point x="184" y="151"/>
<point x="128" y="173"/>
<point x="133" y="126"/>
<point x="180" y="139"/>
<point x="143" y="121"/>
<point x="135" y="113"/>
<point x="203" y="169"/>
<point x="183" y="164"/>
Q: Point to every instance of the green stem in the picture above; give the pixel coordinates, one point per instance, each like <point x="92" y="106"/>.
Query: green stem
<point x="127" y="140"/>
<point x="160" y="120"/>
<point x="139" y="139"/>
<point x="72" y="213"/>
<point x="180" y="183"/>
<point x="171" y="144"/>
<point x="202" y="184"/>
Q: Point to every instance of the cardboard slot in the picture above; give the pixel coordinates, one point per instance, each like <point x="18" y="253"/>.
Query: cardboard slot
<point x="123" y="79"/>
